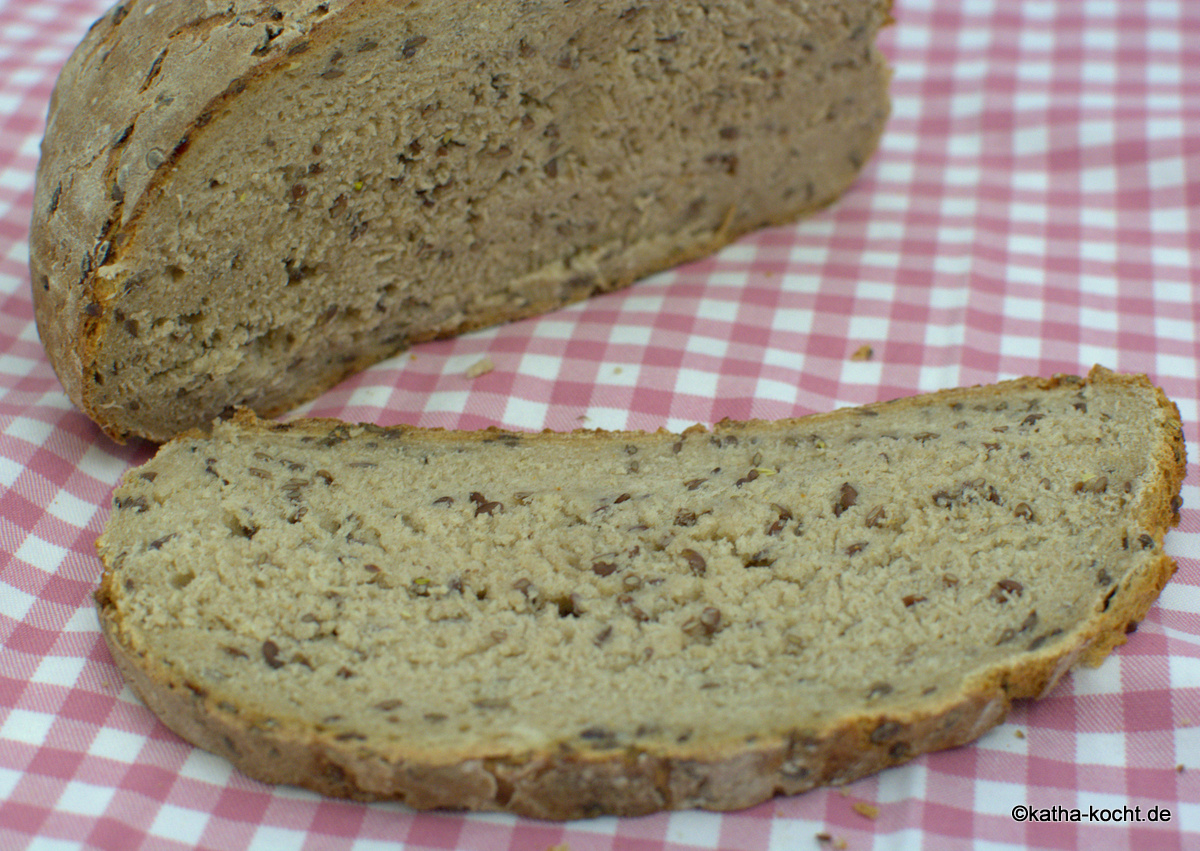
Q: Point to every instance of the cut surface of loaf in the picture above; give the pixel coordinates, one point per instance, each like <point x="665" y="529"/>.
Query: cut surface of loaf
<point x="242" y="207"/>
<point x="565" y="625"/>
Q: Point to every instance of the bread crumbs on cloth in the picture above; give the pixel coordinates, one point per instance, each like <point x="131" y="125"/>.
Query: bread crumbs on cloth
<point x="480" y="367"/>
<point x="864" y="809"/>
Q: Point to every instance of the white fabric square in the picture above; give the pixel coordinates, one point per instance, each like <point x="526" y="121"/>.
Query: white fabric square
<point x="696" y="383"/>
<point x="15" y="603"/>
<point x="522" y="414"/>
<point x="71" y="509"/>
<point x="85" y="799"/>
<point x="117" y="745"/>
<point x="206" y="767"/>
<point x="59" y="670"/>
<point x="1100" y="749"/>
<point x="698" y="829"/>
<point x="30" y="430"/>
<point x="41" y="553"/>
<point x="268" y="838"/>
<point x="24" y="725"/>
<point x="995" y="798"/>
<point x="180" y="824"/>
<point x="540" y="366"/>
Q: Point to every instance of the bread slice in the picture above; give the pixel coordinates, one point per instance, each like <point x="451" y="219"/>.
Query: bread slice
<point x="565" y="625"/>
<point x="242" y="207"/>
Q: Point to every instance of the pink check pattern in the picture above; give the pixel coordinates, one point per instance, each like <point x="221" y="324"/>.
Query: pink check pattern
<point x="1034" y="208"/>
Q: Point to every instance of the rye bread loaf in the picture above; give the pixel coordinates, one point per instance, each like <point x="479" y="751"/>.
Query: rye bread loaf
<point x="241" y="203"/>
<point x="565" y="625"/>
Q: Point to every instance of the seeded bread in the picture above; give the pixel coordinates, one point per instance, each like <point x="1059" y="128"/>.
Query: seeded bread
<point x="240" y="207"/>
<point x="565" y="625"/>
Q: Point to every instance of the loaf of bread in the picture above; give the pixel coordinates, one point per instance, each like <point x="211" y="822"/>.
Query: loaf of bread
<point x="565" y="625"/>
<point x="242" y="206"/>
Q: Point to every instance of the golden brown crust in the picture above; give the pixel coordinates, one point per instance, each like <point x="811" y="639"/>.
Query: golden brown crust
<point x="111" y="138"/>
<point x="567" y="782"/>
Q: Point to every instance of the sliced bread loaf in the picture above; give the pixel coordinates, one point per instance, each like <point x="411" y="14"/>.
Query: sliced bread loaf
<point x="241" y="206"/>
<point x="564" y="625"/>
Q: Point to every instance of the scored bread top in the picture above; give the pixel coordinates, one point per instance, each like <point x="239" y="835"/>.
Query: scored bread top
<point x="563" y="625"/>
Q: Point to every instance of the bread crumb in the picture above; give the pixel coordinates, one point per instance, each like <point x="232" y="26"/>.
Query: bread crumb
<point x="864" y="809"/>
<point x="560" y="847"/>
<point x="863" y="353"/>
<point x="480" y="367"/>
<point x="1180" y="768"/>
<point x="826" y="840"/>
<point x="1020" y="734"/>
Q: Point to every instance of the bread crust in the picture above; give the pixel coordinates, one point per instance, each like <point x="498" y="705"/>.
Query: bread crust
<point x="566" y="782"/>
<point x="148" y="82"/>
<point x="110" y="141"/>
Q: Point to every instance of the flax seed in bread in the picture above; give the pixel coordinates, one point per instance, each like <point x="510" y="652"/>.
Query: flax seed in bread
<point x="564" y="625"/>
<point x="241" y="206"/>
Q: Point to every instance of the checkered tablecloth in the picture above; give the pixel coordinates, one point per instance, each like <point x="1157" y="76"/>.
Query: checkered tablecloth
<point x="1034" y="208"/>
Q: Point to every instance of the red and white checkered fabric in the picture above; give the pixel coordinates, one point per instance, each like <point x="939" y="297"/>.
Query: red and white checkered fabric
<point x="1034" y="208"/>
